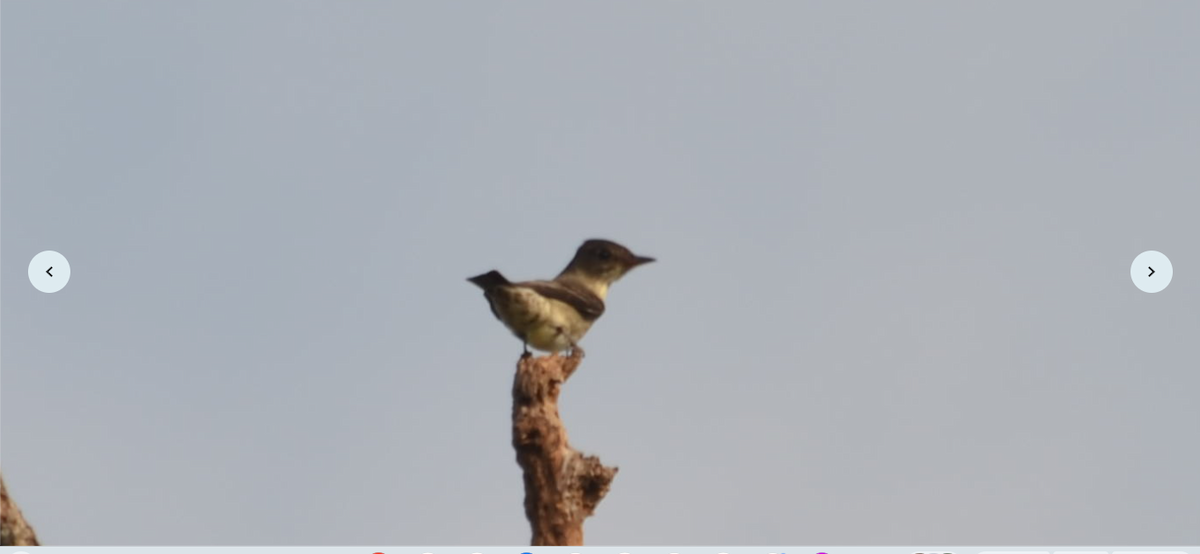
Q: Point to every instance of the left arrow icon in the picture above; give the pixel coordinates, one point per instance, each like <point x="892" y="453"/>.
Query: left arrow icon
<point x="49" y="271"/>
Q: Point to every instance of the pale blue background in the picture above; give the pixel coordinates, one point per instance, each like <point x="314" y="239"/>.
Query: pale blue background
<point x="892" y="303"/>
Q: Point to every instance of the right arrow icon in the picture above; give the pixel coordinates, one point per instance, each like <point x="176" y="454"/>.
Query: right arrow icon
<point x="1151" y="271"/>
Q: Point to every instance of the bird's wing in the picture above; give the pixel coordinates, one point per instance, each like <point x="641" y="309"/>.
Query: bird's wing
<point x="583" y="300"/>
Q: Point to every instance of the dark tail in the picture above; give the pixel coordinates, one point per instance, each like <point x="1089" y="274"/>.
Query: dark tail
<point x="488" y="280"/>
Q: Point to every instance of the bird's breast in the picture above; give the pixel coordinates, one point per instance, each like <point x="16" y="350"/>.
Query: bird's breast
<point x="544" y="323"/>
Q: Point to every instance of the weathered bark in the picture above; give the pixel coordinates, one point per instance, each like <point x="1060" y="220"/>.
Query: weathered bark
<point x="562" y="486"/>
<point x="14" y="530"/>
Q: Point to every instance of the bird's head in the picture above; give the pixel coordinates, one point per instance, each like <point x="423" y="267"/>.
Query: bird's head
<point x="604" y="261"/>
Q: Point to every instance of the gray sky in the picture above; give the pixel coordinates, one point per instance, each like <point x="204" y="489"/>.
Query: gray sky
<point x="892" y="303"/>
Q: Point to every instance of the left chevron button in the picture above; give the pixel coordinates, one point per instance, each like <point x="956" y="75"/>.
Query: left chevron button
<point x="49" y="271"/>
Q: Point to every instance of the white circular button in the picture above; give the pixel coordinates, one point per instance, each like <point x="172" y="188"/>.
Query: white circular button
<point x="1151" y="271"/>
<point x="49" y="271"/>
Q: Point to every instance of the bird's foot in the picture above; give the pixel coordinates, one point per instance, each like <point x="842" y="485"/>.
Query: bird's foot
<point x="572" y="361"/>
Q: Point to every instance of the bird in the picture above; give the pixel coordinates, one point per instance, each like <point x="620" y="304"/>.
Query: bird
<point x="554" y="315"/>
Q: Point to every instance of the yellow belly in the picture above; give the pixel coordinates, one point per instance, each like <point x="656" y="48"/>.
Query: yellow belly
<point x="543" y="323"/>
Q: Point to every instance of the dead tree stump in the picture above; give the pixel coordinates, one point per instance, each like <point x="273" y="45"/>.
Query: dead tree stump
<point x="14" y="530"/>
<point x="562" y="486"/>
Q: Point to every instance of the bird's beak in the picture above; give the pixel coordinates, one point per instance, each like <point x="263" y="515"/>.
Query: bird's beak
<point x="639" y="260"/>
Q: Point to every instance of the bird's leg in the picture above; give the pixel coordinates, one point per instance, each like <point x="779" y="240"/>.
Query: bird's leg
<point x="576" y="351"/>
<point x="525" y="353"/>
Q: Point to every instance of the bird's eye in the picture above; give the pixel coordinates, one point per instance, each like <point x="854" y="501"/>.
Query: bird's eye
<point x="603" y="254"/>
